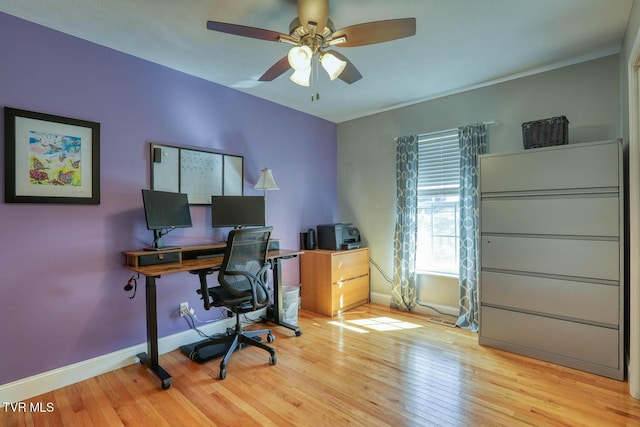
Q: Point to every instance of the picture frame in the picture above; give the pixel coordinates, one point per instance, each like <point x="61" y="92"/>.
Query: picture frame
<point x="51" y="159"/>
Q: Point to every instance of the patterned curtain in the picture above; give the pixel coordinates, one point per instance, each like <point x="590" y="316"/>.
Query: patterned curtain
<point x="403" y="288"/>
<point x="473" y="142"/>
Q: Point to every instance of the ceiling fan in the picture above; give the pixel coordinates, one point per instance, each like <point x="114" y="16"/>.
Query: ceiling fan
<point x="312" y="34"/>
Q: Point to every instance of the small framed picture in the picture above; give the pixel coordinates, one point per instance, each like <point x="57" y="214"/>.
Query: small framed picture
<point x="51" y="159"/>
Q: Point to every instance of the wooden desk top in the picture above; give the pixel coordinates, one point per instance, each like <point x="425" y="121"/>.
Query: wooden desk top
<point x="132" y="259"/>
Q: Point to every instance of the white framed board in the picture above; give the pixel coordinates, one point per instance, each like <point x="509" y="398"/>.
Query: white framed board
<point x="199" y="174"/>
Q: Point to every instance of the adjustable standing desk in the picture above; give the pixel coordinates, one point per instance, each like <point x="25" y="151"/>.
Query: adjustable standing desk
<point x="153" y="264"/>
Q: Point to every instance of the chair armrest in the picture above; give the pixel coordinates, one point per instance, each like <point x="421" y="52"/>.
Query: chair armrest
<point x="204" y="288"/>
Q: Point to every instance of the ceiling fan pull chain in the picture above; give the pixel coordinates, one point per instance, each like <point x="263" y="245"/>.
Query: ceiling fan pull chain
<point x="314" y="79"/>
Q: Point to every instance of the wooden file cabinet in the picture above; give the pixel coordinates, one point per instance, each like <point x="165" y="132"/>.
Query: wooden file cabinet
<point x="334" y="281"/>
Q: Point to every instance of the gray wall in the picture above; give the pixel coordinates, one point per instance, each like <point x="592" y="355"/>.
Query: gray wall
<point x="633" y="27"/>
<point x="587" y="93"/>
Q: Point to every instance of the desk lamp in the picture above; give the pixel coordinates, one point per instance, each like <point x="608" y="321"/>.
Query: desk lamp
<point x="266" y="182"/>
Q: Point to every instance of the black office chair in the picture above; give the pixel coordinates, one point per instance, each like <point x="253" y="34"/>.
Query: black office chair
<point x="243" y="288"/>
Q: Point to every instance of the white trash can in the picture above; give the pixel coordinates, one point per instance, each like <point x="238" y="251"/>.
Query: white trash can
<point x="290" y="297"/>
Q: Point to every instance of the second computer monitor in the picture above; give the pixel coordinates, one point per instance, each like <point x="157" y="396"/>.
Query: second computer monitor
<point x="237" y="211"/>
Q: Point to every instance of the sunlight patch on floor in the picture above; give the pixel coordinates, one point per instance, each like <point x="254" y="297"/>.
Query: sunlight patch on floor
<point x="376" y="323"/>
<point x="351" y="328"/>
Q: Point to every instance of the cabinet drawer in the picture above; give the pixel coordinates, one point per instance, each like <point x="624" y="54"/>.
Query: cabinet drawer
<point x="598" y="259"/>
<point x="568" y="166"/>
<point x="349" y="264"/>
<point x="158" y="258"/>
<point x="577" y="341"/>
<point x="562" y="215"/>
<point x="589" y="302"/>
<point x="349" y="293"/>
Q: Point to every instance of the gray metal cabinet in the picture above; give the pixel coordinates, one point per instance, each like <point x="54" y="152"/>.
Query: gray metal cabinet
<point x="552" y="255"/>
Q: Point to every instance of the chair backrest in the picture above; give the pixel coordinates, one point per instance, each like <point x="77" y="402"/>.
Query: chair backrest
<point x="244" y="270"/>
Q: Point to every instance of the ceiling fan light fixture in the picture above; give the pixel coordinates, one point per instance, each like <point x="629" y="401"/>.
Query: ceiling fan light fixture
<point x="332" y="65"/>
<point x="301" y="77"/>
<point x="300" y="57"/>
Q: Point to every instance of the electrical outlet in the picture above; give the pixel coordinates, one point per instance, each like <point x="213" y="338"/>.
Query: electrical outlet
<point x="184" y="308"/>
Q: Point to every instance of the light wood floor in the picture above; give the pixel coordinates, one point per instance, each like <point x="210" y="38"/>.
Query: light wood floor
<point x="370" y="367"/>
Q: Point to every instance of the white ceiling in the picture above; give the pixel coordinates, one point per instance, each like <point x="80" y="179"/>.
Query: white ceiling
<point x="459" y="44"/>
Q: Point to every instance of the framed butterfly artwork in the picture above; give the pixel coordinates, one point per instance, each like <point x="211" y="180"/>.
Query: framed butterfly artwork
<point x="51" y="159"/>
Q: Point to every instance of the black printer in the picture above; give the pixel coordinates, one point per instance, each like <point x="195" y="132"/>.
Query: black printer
<point x="338" y="236"/>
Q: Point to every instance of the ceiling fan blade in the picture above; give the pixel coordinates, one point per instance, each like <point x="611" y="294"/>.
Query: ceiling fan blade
<point x="350" y="74"/>
<point x="242" y="30"/>
<point x="316" y="11"/>
<point x="276" y="70"/>
<point x="376" y="32"/>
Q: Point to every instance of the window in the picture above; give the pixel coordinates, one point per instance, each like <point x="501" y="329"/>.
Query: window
<point x="438" y="203"/>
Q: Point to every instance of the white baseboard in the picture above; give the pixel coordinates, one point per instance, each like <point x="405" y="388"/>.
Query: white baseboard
<point x="444" y="310"/>
<point x="381" y="299"/>
<point x="47" y="381"/>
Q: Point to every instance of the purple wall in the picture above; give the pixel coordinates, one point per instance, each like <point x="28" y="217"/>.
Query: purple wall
<point x="61" y="275"/>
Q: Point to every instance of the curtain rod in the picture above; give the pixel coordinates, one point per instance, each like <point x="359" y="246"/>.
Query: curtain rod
<point x="489" y="123"/>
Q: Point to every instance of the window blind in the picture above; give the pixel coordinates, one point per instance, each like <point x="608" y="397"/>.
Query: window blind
<point x="438" y="164"/>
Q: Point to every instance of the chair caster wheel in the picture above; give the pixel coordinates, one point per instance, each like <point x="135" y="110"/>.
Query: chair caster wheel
<point x="298" y="333"/>
<point x="273" y="359"/>
<point x="166" y="385"/>
<point x="270" y="338"/>
<point x="222" y="374"/>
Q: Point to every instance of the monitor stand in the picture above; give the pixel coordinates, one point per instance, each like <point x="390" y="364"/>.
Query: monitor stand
<point x="158" y="242"/>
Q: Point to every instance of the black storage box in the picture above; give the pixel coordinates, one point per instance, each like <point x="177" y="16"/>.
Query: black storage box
<point x="545" y="132"/>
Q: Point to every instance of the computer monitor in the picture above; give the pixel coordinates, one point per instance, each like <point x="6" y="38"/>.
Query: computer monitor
<point x="237" y="211"/>
<point x="165" y="211"/>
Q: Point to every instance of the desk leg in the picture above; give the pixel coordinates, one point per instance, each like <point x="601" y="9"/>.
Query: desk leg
<point x="150" y="358"/>
<point x="273" y="311"/>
